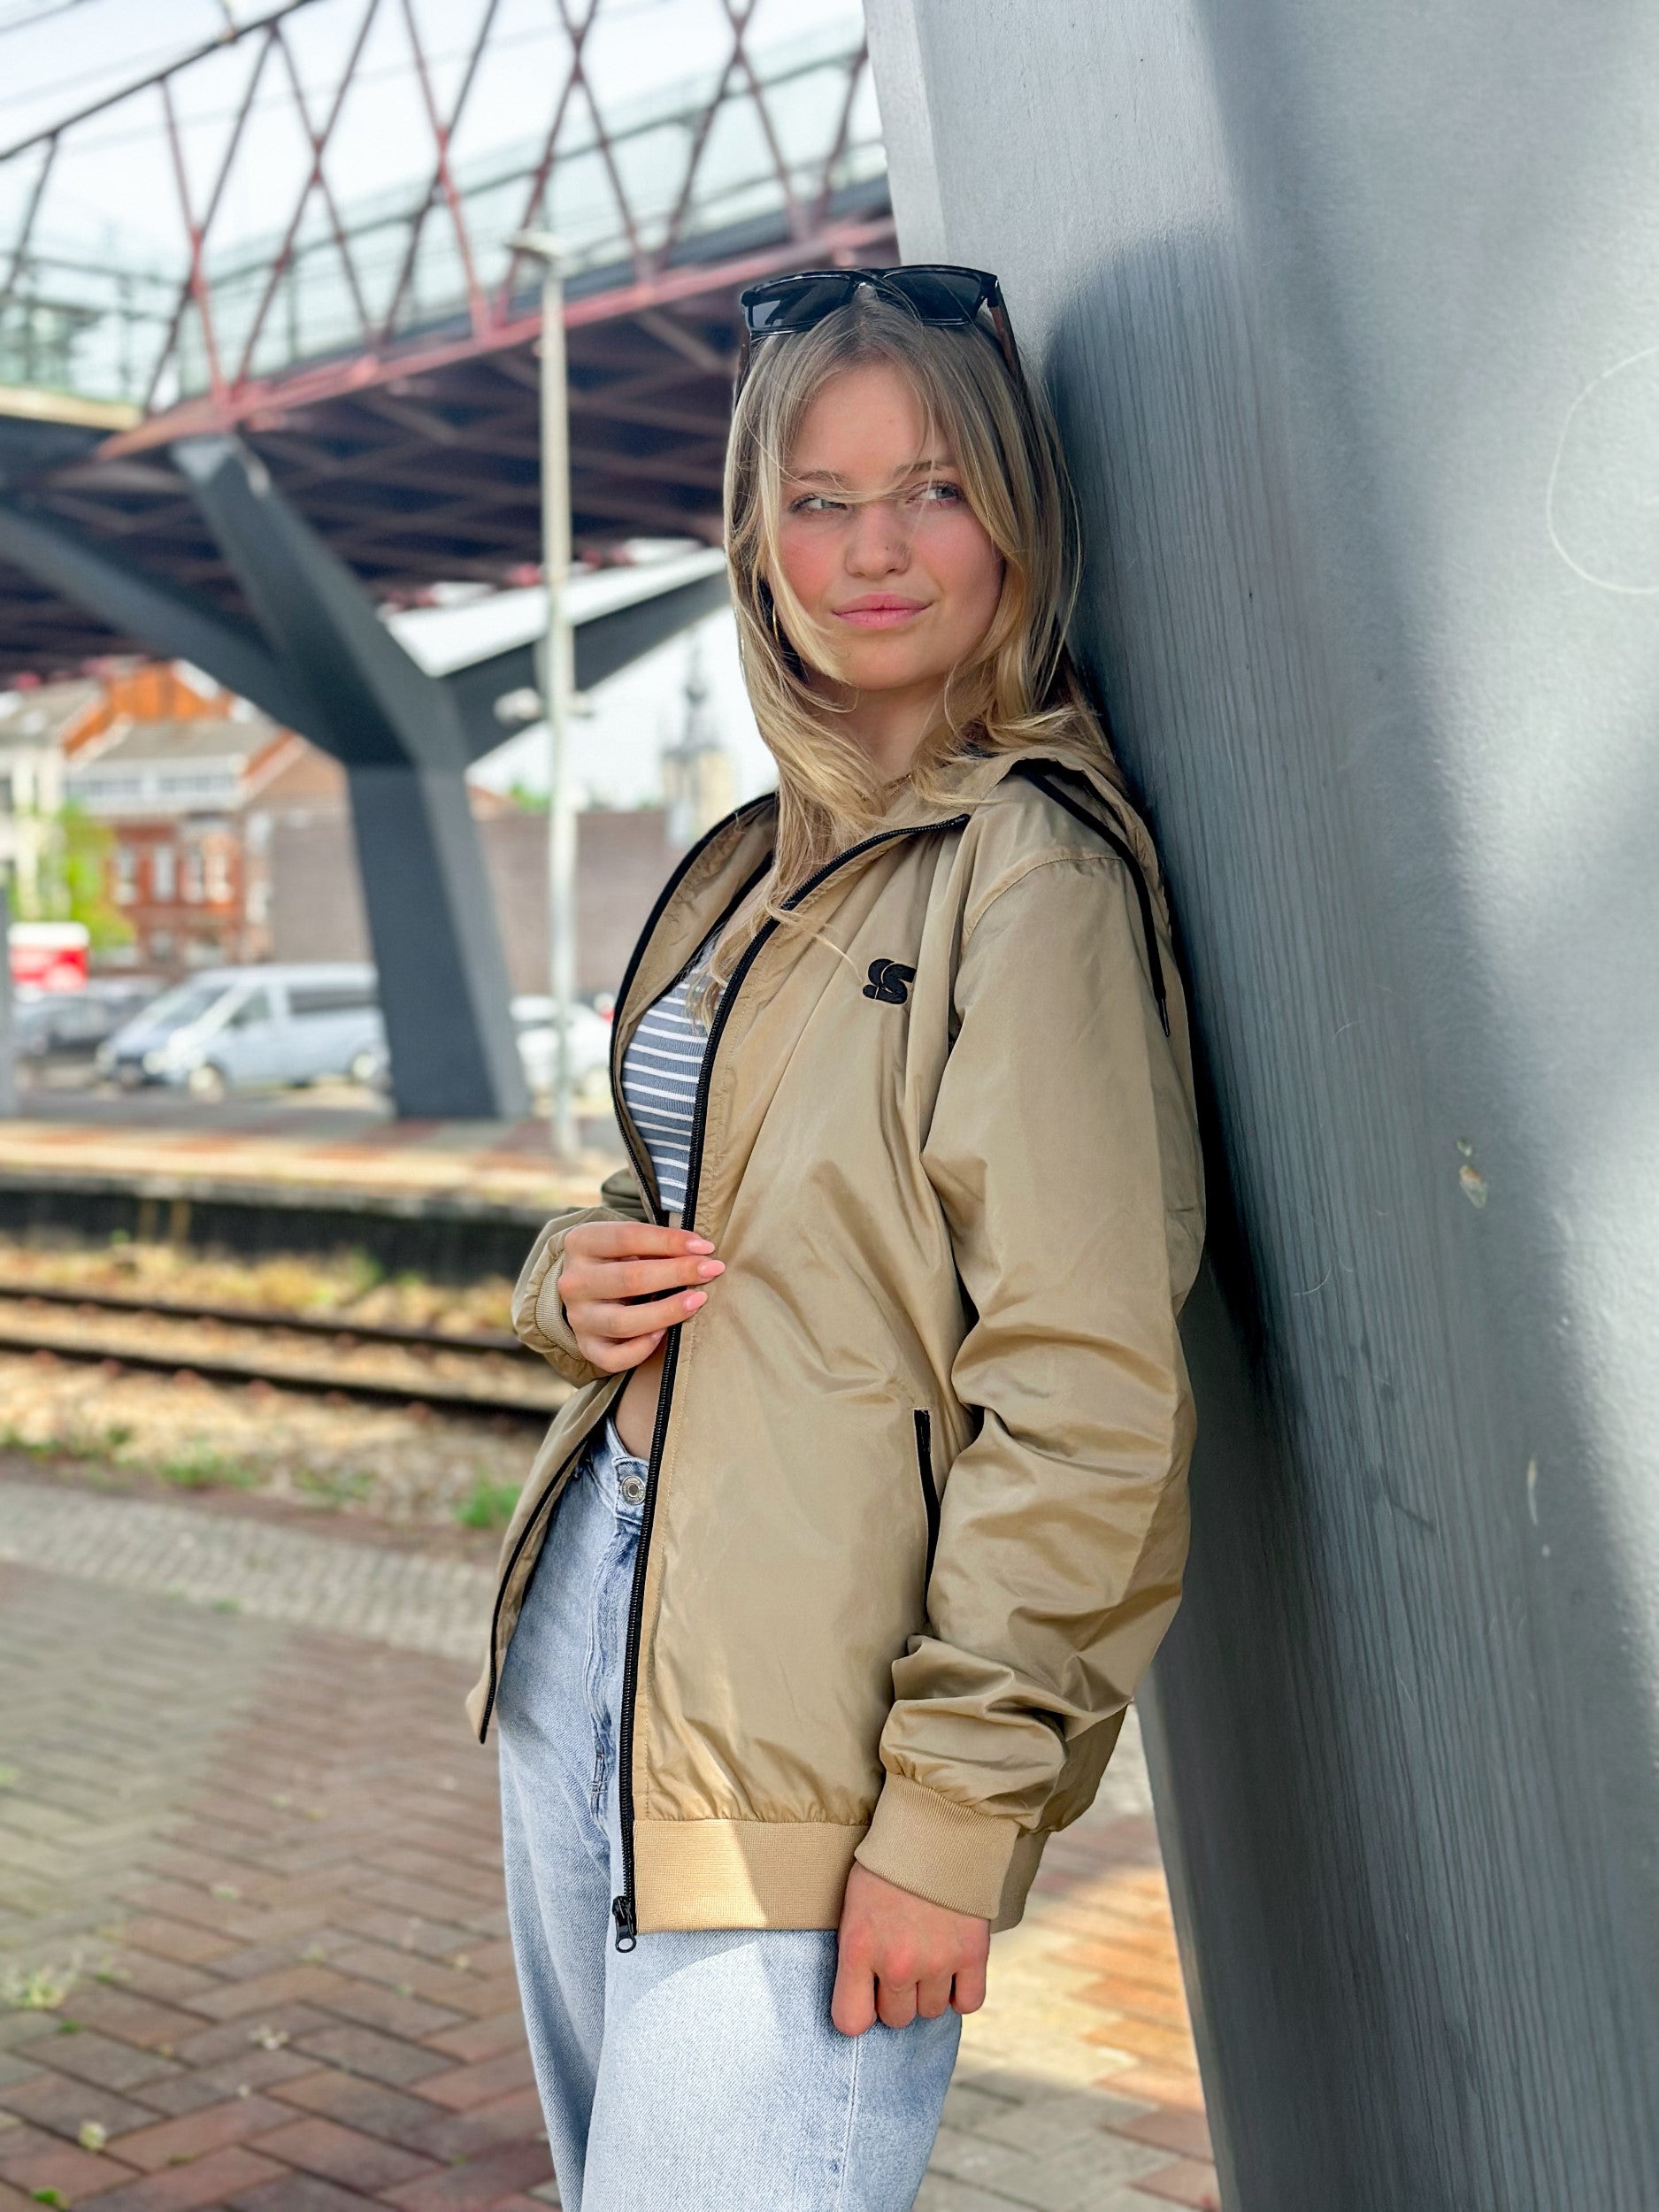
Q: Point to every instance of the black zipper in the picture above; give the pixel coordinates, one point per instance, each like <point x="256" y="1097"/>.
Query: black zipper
<point x="930" y="1494"/>
<point x="624" y="1909"/>
<point x="643" y="1171"/>
<point x="641" y="1163"/>
<point x="553" y="1490"/>
<point x="1032" y="770"/>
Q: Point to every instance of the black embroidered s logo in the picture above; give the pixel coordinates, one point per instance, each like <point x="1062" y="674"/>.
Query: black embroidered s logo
<point x="890" y="981"/>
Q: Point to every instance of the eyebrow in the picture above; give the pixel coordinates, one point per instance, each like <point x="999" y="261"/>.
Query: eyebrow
<point x="931" y="466"/>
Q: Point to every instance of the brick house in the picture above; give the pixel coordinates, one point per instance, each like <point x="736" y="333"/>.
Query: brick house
<point x="231" y="841"/>
<point x="184" y="775"/>
<point x="35" y="720"/>
<point x="623" y="858"/>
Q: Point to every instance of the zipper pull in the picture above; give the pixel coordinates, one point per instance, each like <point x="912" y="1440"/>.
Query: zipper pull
<point x="627" y="1931"/>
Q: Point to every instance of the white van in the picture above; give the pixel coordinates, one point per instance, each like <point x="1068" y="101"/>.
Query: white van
<point x="240" y="1028"/>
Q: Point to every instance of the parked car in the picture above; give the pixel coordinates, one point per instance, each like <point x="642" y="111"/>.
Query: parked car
<point x="49" y="955"/>
<point x="238" y="1028"/>
<point x="590" y="1042"/>
<point x="51" y="1024"/>
<point x="532" y="1025"/>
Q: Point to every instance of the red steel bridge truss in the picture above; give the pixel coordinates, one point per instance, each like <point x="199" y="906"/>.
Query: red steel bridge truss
<point x="301" y="234"/>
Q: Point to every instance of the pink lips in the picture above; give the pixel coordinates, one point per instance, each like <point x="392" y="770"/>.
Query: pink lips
<point x="881" y="610"/>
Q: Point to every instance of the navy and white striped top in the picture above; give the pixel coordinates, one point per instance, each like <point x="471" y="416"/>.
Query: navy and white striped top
<point x="660" y="1071"/>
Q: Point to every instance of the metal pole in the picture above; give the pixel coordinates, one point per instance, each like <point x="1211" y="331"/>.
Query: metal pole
<point x="556" y="680"/>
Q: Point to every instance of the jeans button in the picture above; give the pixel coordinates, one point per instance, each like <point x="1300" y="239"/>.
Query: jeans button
<point x="633" y="1488"/>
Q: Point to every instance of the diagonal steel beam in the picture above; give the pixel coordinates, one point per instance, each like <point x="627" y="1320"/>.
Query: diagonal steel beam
<point x="170" y="344"/>
<point x="578" y="34"/>
<point x="604" y="645"/>
<point x="399" y="734"/>
<point x="315" y="181"/>
<point x="442" y="182"/>
<point x="171" y="622"/>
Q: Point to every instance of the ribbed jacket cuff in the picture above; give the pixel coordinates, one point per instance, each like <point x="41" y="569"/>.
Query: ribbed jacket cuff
<point x="938" y="1849"/>
<point x="538" y="1312"/>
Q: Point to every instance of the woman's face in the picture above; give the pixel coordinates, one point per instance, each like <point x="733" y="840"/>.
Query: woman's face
<point x="878" y="541"/>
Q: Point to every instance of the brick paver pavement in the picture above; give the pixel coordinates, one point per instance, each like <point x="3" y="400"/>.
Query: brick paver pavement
<point x="251" y="1862"/>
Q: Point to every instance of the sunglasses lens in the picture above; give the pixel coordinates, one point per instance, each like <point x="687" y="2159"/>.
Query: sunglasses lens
<point x="939" y="296"/>
<point x="794" y="302"/>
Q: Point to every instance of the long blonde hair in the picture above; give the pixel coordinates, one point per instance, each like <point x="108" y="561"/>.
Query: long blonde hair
<point x="1020" y="693"/>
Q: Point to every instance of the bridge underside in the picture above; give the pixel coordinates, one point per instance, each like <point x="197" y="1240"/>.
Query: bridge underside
<point x="423" y="466"/>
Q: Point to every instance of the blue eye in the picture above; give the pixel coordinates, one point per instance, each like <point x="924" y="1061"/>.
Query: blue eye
<point x="812" y="504"/>
<point x="940" y="493"/>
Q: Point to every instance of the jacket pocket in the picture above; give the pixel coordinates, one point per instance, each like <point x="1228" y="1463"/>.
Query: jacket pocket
<point x="925" y="1473"/>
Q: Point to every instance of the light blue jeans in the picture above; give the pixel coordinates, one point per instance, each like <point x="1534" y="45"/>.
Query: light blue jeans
<point x="700" y="2069"/>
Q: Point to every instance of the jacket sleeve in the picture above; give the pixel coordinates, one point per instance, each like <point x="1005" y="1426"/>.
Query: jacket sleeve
<point x="538" y="1312"/>
<point x="1063" y="1150"/>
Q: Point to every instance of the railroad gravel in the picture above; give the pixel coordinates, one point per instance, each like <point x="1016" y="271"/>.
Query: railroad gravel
<point x="346" y="1286"/>
<point x="392" y="1464"/>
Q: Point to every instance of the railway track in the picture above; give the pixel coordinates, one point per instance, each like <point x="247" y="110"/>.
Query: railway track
<point x="485" y="1373"/>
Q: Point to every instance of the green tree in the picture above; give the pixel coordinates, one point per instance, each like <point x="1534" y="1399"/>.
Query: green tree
<point x="75" y="883"/>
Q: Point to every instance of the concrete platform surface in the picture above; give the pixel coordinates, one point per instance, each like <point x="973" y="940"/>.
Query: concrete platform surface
<point x="344" y="1150"/>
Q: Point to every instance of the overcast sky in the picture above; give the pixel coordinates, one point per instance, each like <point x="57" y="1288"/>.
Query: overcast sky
<point x="57" y="57"/>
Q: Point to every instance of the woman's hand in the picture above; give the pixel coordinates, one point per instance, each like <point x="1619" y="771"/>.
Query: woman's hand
<point x="901" y="1956"/>
<point x="608" y="1264"/>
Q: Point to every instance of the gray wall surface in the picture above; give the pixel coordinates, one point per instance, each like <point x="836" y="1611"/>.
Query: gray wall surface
<point x="1351" y="319"/>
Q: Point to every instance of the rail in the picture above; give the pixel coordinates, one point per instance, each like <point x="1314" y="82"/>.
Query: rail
<point x="487" y="1373"/>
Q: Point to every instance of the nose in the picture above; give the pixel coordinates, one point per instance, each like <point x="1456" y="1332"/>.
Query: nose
<point x="877" y="544"/>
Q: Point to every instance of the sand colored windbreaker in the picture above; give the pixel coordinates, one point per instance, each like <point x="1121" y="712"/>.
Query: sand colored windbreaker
<point x="915" y="1515"/>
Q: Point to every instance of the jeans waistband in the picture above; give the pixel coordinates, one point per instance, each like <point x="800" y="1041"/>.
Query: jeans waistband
<point x="617" y="1476"/>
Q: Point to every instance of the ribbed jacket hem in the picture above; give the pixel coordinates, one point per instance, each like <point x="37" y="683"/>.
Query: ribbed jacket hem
<point x="741" y="1873"/>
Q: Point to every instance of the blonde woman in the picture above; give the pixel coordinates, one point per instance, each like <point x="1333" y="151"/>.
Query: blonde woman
<point x="823" y="1602"/>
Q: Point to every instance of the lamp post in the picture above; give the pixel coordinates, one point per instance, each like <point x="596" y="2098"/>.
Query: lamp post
<point x="557" y="678"/>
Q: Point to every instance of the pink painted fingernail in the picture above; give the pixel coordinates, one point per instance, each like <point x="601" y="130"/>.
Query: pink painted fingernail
<point x="695" y="1298"/>
<point x="700" y="1244"/>
<point x="706" y="1267"/>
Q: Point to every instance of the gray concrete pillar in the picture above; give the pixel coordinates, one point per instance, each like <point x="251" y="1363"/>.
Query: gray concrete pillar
<point x="1348" y="317"/>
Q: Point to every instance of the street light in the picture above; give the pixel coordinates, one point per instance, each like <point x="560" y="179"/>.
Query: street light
<point x="558" y="675"/>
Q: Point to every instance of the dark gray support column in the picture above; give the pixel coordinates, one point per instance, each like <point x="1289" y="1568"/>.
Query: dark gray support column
<point x="604" y="645"/>
<point x="399" y="734"/>
<point x="1348" y="317"/>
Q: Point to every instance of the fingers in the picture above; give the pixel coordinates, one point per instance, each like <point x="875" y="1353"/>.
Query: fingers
<point x="623" y="1285"/>
<point x="968" y="1989"/>
<point x="619" y="1280"/>
<point x="861" y="1998"/>
<point x="620" y="1324"/>
<point x="630" y="1240"/>
<point x="933" y="1996"/>
<point x="616" y="1359"/>
<point x="895" y="2002"/>
<point x="853" y="2003"/>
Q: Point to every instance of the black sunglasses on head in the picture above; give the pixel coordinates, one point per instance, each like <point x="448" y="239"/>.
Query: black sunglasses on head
<point x="934" y="293"/>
